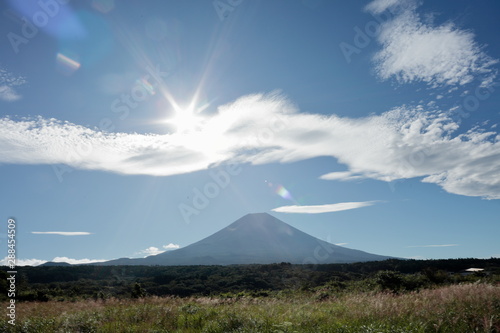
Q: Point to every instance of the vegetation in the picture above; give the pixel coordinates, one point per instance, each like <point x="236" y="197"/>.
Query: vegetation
<point x="458" y="308"/>
<point x="99" y="282"/>
<point x="390" y="296"/>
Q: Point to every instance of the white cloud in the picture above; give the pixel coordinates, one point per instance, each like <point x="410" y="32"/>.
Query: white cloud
<point x="171" y="246"/>
<point x="77" y="261"/>
<point x="317" y="209"/>
<point x="341" y="244"/>
<point x="36" y="262"/>
<point x="421" y="144"/>
<point x="7" y="83"/>
<point x="417" y="51"/>
<point x="341" y="175"/>
<point x="441" y="245"/>
<point x="8" y="94"/>
<point x="152" y="250"/>
<point x="22" y="262"/>
<point x="62" y="233"/>
<point x="405" y="142"/>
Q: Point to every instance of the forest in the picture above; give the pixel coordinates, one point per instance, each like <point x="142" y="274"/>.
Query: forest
<point x="60" y="283"/>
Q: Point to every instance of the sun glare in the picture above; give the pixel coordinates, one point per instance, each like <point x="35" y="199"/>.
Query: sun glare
<point x="185" y="120"/>
<point x="198" y="131"/>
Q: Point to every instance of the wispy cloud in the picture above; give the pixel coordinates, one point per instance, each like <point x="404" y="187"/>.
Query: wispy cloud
<point x="405" y="142"/>
<point x="341" y="175"/>
<point x="62" y="233"/>
<point x="379" y="6"/>
<point x="341" y="244"/>
<point x="416" y="51"/>
<point x="8" y="94"/>
<point x="7" y="83"/>
<point x="317" y="209"/>
<point x="440" y="245"/>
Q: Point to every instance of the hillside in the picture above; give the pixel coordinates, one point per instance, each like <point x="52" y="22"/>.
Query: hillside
<point x="255" y="239"/>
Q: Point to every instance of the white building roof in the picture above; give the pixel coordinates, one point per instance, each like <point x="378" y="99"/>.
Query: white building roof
<point x="474" y="269"/>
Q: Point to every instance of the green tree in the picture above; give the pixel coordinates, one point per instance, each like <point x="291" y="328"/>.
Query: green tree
<point x="390" y="280"/>
<point x="138" y="291"/>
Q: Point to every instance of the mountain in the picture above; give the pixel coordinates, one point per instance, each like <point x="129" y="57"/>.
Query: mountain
<point x="52" y="263"/>
<point x="255" y="239"/>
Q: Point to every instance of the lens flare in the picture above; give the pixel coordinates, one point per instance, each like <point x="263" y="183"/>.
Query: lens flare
<point x="67" y="65"/>
<point x="283" y="192"/>
<point x="144" y="83"/>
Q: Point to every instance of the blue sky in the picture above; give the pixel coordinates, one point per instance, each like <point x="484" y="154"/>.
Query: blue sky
<point x="129" y="128"/>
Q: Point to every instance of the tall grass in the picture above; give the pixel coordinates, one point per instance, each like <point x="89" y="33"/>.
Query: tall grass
<point x="454" y="309"/>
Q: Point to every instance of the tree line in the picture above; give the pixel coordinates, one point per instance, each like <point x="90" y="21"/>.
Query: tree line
<point x="43" y="283"/>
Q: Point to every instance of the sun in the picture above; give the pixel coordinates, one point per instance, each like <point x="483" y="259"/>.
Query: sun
<point x="185" y="120"/>
<point x="188" y="119"/>
<point x="196" y="130"/>
<point x="193" y="129"/>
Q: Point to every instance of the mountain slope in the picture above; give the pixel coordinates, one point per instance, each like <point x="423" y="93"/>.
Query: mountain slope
<point x="255" y="238"/>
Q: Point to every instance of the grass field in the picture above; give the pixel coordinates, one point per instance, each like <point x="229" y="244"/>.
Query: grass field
<point x="454" y="309"/>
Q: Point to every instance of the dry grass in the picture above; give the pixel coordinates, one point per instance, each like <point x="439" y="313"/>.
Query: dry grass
<point x="475" y="307"/>
<point x="459" y="308"/>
